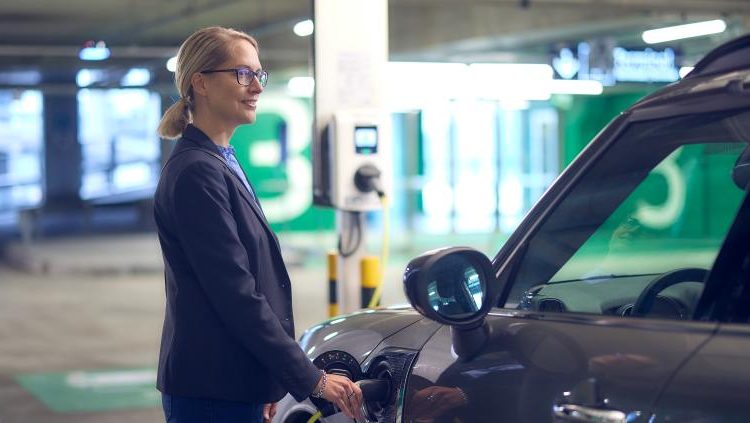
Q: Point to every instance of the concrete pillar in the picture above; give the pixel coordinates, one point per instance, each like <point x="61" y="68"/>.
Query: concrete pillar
<point x="62" y="151"/>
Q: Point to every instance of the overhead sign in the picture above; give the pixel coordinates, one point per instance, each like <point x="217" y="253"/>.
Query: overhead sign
<point x="565" y="64"/>
<point x="645" y="65"/>
<point x="610" y="64"/>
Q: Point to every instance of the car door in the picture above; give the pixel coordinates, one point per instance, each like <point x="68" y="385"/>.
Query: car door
<point x="713" y="385"/>
<point x="601" y="284"/>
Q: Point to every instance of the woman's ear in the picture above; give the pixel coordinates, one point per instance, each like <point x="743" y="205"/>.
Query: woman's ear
<point x="198" y="82"/>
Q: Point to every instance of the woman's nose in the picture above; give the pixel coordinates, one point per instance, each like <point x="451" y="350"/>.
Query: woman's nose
<point x="256" y="86"/>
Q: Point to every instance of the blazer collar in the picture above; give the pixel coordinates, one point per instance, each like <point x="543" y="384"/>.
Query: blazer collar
<point x="192" y="133"/>
<point x="199" y="137"/>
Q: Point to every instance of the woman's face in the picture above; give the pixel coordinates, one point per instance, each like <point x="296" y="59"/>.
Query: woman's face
<point x="230" y="103"/>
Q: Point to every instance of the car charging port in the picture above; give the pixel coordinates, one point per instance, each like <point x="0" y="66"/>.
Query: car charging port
<point x="338" y="363"/>
<point x="376" y="391"/>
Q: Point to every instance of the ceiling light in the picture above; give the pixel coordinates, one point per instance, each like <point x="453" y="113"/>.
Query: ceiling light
<point x="576" y="87"/>
<point x="87" y="77"/>
<point x="412" y="84"/>
<point x="304" y="28"/>
<point x="509" y="81"/>
<point x="301" y="86"/>
<point x="172" y="64"/>
<point x="94" y="51"/>
<point x="514" y="104"/>
<point x="685" y="70"/>
<point x="136" y="77"/>
<point x="679" y="32"/>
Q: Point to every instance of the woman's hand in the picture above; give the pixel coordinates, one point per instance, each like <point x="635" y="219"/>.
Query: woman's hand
<point x="344" y="394"/>
<point x="269" y="410"/>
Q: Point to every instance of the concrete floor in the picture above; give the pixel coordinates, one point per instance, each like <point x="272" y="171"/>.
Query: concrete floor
<point x="73" y="322"/>
<point x="98" y="304"/>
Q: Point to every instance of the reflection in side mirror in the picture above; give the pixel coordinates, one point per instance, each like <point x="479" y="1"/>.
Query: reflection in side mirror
<point x="455" y="290"/>
<point x="454" y="286"/>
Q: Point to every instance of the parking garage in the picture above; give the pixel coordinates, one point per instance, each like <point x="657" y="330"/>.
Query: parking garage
<point x="386" y="129"/>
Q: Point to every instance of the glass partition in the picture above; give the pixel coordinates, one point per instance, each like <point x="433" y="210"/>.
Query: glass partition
<point x="21" y="143"/>
<point x="119" y="144"/>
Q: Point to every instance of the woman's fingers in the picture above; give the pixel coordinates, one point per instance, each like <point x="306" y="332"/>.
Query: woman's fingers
<point x="346" y="404"/>
<point x="357" y="399"/>
<point x="345" y="394"/>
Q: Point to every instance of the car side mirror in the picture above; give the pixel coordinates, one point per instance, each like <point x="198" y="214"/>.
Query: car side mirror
<point x="455" y="286"/>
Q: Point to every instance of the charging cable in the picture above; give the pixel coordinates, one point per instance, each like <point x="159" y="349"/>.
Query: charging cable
<point x="383" y="251"/>
<point x="315" y="417"/>
<point x="366" y="179"/>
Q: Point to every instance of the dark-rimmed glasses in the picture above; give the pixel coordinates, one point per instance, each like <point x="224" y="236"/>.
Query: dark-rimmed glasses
<point x="245" y="75"/>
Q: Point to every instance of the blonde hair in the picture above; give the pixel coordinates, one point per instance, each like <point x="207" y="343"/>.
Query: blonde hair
<point x="206" y="48"/>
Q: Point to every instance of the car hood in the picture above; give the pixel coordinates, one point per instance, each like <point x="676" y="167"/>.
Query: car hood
<point x="357" y="333"/>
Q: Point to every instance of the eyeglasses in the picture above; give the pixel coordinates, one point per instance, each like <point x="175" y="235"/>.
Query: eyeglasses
<point x="245" y="75"/>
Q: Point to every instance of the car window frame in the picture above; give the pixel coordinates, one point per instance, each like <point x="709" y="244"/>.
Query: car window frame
<point x="507" y="262"/>
<point x="727" y="286"/>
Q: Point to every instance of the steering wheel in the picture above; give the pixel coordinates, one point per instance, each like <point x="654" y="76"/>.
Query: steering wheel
<point x="645" y="301"/>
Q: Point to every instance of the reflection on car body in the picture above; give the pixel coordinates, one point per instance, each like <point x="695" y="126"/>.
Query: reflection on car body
<point x="623" y="296"/>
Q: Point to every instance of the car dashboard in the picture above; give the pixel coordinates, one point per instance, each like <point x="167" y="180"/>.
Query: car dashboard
<point x="612" y="295"/>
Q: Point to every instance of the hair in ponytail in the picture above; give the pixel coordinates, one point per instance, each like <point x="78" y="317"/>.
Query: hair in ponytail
<point x="204" y="49"/>
<point x="175" y="119"/>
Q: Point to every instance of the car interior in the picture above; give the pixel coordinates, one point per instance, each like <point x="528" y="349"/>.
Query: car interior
<point x="638" y="233"/>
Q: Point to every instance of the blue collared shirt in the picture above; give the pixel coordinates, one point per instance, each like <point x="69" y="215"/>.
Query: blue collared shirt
<point x="231" y="158"/>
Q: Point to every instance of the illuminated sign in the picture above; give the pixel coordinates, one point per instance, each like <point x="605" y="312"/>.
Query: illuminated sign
<point x="609" y="64"/>
<point x="566" y="65"/>
<point x="644" y="65"/>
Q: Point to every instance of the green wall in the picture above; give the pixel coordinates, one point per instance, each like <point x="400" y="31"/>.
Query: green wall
<point x="582" y="117"/>
<point x="275" y="152"/>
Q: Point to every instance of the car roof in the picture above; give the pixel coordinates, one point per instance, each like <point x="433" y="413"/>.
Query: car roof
<point x="727" y="64"/>
<point x="730" y="56"/>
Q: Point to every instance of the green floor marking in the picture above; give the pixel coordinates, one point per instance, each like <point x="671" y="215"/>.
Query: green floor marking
<point x="90" y="391"/>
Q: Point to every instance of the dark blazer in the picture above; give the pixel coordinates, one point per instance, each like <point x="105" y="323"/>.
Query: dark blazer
<point x="228" y="328"/>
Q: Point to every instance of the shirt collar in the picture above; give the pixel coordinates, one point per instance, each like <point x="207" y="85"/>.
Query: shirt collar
<point x="227" y="152"/>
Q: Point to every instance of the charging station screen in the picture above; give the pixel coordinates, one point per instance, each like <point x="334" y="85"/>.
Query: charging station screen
<point x="366" y="139"/>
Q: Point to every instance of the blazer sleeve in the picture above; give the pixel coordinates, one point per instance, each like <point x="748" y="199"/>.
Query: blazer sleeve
<point x="209" y="238"/>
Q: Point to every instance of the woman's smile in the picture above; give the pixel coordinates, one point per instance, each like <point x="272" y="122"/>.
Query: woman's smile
<point x="250" y="103"/>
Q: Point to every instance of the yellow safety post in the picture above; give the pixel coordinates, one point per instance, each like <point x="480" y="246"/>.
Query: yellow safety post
<point x="333" y="305"/>
<point x="370" y="274"/>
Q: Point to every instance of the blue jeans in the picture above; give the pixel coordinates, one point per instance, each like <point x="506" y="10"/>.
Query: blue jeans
<point x="198" y="410"/>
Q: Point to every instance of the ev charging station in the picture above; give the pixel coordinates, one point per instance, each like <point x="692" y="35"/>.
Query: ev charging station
<point x="351" y="139"/>
<point x="357" y="157"/>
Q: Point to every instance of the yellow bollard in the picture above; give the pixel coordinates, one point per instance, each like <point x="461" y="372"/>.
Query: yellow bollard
<point x="370" y="274"/>
<point x="333" y="306"/>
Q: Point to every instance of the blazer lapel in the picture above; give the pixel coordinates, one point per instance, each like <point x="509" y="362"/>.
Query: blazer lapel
<point x="254" y="205"/>
<point x="205" y="144"/>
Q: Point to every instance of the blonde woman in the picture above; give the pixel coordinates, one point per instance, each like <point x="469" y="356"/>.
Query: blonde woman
<point x="228" y="352"/>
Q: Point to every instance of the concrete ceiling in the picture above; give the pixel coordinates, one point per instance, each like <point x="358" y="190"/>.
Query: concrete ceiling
<point x="46" y="34"/>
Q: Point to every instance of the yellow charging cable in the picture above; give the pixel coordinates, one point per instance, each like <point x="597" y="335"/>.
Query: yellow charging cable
<point x="315" y="417"/>
<point x="383" y="253"/>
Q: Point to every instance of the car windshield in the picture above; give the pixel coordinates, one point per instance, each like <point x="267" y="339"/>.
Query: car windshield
<point x="660" y="198"/>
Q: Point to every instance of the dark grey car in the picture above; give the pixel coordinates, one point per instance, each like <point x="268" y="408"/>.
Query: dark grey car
<point x="624" y="295"/>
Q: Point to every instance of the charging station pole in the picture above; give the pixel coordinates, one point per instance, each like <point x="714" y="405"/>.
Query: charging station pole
<point x="351" y="134"/>
<point x="348" y="283"/>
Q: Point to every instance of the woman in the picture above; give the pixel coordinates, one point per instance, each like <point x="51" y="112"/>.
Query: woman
<point x="228" y="351"/>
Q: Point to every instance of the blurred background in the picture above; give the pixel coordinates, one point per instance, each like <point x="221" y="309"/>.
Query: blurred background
<point x="489" y="100"/>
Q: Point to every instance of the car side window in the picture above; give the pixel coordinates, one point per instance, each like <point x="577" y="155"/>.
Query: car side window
<point x="639" y="233"/>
